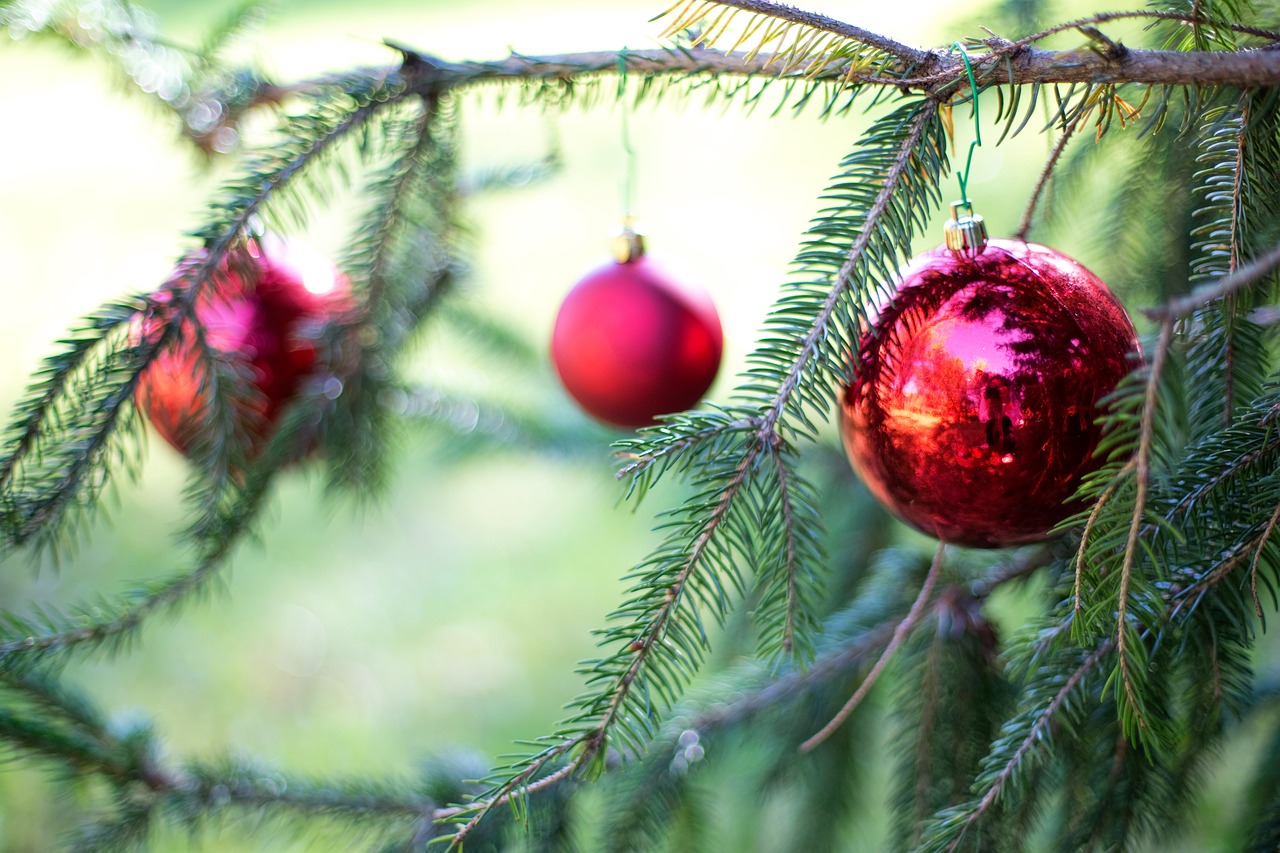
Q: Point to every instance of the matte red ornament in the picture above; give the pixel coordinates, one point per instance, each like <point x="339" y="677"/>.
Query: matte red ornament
<point x="630" y="343"/>
<point x="971" y="412"/>
<point x="265" y="310"/>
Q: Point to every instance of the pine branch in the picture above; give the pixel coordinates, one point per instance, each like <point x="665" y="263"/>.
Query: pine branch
<point x="1129" y="699"/>
<point x="62" y="727"/>
<point x="806" y="21"/>
<point x="1242" y="278"/>
<point x="404" y="259"/>
<point x="1025" y="741"/>
<point x="1011" y="63"/>
<point x="191" y="83"/>
<point x="94" y="381"/>
<point x="791" y="563"/>
<point x="118" y="621"/>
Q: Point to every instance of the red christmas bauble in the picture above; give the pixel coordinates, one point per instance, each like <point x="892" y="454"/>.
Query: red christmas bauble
<point x="630" y="343"/>
<point x="265" y="309"/>
<point x="971" y="411"/>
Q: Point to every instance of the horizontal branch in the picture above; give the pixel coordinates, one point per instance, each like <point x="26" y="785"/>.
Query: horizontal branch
<point x="1005" y="63"/>
<point x="1243" y="277"/>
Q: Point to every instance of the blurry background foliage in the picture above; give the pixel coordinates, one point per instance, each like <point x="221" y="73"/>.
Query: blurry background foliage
<point x="447" y="615"/>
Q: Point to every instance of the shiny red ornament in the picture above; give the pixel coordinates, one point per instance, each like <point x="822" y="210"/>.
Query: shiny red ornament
<point x="266" y="311"/>
<point x="630" y="343"/>
<point x="971" y="412"/>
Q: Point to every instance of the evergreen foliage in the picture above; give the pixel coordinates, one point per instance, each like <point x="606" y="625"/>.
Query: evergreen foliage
<point x="1094" y="726"/>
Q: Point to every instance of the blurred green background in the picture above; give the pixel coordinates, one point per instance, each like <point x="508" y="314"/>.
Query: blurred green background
<point x="356" y="638"/>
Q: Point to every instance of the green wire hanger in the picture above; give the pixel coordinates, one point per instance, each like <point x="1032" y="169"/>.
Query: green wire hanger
<point x="963" y="177"/>
<point x="965" y="231"/>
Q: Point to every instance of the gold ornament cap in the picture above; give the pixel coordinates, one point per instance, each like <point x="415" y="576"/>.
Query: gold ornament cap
<point x="627" y="243"/>
<point x="965" y="232"/>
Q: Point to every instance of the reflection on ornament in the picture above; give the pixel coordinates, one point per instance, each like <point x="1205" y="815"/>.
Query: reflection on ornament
<point x="971" y="412"/>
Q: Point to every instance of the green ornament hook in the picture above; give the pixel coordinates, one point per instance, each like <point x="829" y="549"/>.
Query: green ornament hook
<point x="963" y="177"/>
<point x="629" y="180"/>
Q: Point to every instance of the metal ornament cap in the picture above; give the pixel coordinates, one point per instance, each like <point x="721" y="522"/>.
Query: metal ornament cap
<point x="627" y="243"/>
<point x="965" y="233"/>
<point x="972" y="410"/>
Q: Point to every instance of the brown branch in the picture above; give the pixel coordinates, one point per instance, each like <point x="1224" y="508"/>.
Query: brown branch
<point x="1177" y="17"/>
<point x="1228" y="284"/>
<point x="899" y="636"/>
<point x="1243" y="68"/>
<point x="1257" y="556"/>
<point x="1143" y="478"/>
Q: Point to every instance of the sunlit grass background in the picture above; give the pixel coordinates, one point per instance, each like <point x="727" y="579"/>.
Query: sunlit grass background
<point x="448" y="614"/>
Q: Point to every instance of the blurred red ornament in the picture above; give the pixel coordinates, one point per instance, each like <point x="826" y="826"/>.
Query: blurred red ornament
<point x="266" y="311"/>
<point x="971" y="414"/>
<point x="630" y="343"/>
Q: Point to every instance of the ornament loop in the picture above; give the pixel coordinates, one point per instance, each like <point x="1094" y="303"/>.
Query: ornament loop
<point x="627" y="243"/>
<point x="965" y="233"/>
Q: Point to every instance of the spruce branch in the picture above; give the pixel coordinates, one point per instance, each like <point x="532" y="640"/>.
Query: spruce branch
<point x="123" y="618"/>
<point x="1033" y="743"/>
<point x="790" y="561"/>
<point x="1078" y="592"/>
<point x="688" y="13"/>
<point x="1142" y="478"/>
<point x="94" y="381"/>
<point x="1027" y="742"/>
<point x="1222" y="182"/>
<point x="1243" y="277"/>
<point x="1020" y="66"/>
<point x="646" y="459"/>
<point x="69" y="731"/>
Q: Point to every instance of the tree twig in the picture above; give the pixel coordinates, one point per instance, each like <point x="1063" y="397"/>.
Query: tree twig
<point x="1203" y="295"/>
<point x="1043" y="181"/>
<point x="899" y="635"/>
<point x="1142" y="480"/>
<point x="1243" y="68"/>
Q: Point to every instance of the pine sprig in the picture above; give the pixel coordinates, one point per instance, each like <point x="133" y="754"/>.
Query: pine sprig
<point x="66" y="436"/>
<point x="1054" y="699"/>
<point x="885" y="193"/>
<point x="63" y="436"/>
<point x="40" y="717"/>
<point x="950" y="696"/>
<point x="403" y="259"/>
<point x="1227" y="353"/>
<point x="789" y="581"/>
<point x="798" y="43"/>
